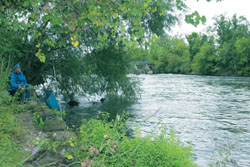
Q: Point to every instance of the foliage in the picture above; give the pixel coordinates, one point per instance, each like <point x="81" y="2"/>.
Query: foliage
<point x="105" y="144"/>
<point x="162" y="151"/>
<point x="224" y="50"/>
<point x="4" y="73"/>
<point x="38" y="120"/>
<point x="205" y="60"/>
<point x="93" y="75"/>
<point x="51" y="37"/>
<point x="169" y="55"/>
<point x="242" y="46"/>
<point x="138" y="54"/>
<point x="220" y="54"/>
<point x="195" y="19"/>
<point x="118" y="81"/>
<point x="229" y="31"/>
<point x="195" y="42"/>
<point x="10" y="133"/>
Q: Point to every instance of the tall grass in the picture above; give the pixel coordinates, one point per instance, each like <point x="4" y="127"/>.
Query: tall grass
<point x="4" y="73"/>
<point x="10" y="134"/>
<point x="10" y="129"/>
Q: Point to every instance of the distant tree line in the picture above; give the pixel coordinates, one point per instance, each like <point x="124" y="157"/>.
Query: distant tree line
<point x="223" y="50"/>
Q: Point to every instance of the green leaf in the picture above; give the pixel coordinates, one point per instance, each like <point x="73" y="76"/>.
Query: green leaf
<point x="203" y="19"/>
<point x="69" y="157"/>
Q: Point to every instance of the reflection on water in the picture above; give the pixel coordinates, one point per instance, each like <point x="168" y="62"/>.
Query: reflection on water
<point x="93" y="109"/>
<point x="210" y="113"/>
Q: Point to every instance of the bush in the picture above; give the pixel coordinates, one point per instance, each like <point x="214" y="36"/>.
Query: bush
<point x="105" y="144"/>
<point x="160" y="152"/>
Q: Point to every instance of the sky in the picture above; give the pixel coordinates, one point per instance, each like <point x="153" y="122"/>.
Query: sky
<point x="211" y="9"/>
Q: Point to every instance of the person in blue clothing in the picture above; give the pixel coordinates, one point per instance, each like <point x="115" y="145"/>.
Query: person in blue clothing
<point x="18" y="83"/>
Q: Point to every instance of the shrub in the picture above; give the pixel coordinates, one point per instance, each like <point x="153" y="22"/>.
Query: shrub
<point x="105" y="144"/>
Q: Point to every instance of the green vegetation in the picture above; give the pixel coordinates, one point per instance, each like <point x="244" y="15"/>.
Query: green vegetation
<point x="224" y="52"/>
<point x="169" y="55"/>
<point x="98" y="143"/>
<point x="82" y="46"/>
<point x="4" y="73"/>
<point x="10" y="133"/>
<point x="103" y="143"/>
<point x="86" y="47"/>
<point x="224" y="157"/>
<point x="10" y="129"/>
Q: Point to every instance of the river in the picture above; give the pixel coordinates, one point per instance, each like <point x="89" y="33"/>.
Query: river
<point x="211" y="113"/>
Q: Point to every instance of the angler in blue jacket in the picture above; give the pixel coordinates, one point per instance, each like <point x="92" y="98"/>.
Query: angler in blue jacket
<point x="19" y="82"/>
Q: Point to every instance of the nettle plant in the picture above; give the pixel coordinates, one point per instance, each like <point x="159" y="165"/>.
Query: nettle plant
<point x="102" y="143"/>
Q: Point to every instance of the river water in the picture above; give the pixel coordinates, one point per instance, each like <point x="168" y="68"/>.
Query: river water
<point x="210" y="113"/>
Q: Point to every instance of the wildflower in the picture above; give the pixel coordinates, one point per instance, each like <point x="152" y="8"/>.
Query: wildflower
<point x="82" y="147"/>
<point x="112" y="149"/>
<point x="108" y="141"/>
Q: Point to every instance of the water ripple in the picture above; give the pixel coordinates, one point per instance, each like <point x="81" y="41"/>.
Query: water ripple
<point x="211" y="113"/>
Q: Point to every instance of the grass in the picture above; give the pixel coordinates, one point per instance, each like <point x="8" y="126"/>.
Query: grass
<point x="11" y="153"/>
<point x="10" y="134"/>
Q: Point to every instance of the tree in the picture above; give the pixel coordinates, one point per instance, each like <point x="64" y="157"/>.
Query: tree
<point x="178" y="56"/>
<point x="169" y="55"/>
<point x="229" y="31"/>
<point x="43" y="34"/>
<point x="242" y="46"/>
<point x="195" y="41"/>
<point x="205" y="60"/>
<point x="157" y="54"/>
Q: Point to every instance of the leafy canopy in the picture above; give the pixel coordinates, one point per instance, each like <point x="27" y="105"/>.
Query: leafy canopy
<point x="51" y="38"/>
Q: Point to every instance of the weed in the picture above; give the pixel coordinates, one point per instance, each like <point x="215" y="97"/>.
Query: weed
<point x="38" y="120"/>
<point x="224" y="158"/>
<point x="103" y="143"/>
<point x="10" y="133"/>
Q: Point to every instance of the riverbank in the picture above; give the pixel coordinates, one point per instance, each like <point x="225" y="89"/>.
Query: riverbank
<point x="27" y="133"/>
<point x="29" y="140"/>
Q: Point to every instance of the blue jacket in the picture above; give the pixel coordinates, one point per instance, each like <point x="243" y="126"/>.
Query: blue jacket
<point x="17" y="79"/>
